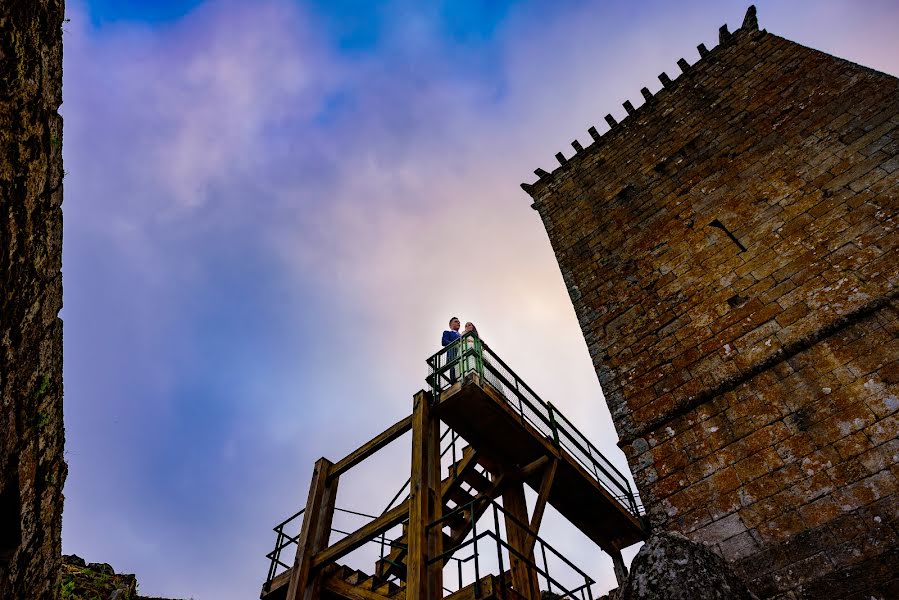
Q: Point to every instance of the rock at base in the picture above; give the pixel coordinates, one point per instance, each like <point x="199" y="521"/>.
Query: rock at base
<point x="671" y="567"/>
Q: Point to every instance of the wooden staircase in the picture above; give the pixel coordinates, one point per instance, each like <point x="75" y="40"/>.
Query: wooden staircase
<point x="345" y="583"/>
<point x="339" y="581"/>
<point x="454" y="496"/>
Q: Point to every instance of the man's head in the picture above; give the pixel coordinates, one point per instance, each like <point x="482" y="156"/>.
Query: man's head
<point x="454" y="323"/>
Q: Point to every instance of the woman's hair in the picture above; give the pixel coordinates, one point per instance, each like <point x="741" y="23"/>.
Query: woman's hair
<point x="473" y="328"/>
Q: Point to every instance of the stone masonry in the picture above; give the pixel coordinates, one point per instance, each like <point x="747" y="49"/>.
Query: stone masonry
<point x="730" y="249"/>
<point x="32" y="470"/>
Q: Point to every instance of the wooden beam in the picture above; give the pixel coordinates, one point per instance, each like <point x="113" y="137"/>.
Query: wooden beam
<point x="372" y="446"/>
<point x="542" y="497"/>
<point x="618" y="567"/>
<point x="524" y="577"/>
<point x="425" y="501"/>
<point x="488" y="589"/>
<point x="314" y="533"/>
<point x="280" y="580"/>
<point x="499" y="484"/>
<point x="392" y="517"/>
<point x="434" y="491"/>
<point x="532" y="468"/>
<point x="346" y="590"/>
<point x="468" y="461"/>
<point x="416" y="578"/>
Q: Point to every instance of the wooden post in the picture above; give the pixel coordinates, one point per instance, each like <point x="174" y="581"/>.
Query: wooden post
<point x="435" y="505"/>
<point x="315" y="532"/>
<point x="423" y="581"/>
<point x="618" y="566"/>
<point x="540" y="506"/>
<point x="524" y="577"/>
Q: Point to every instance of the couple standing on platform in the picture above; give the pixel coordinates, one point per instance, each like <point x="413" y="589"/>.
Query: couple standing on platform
<point x="453" y="334"/>
<point x="450" y="336"/>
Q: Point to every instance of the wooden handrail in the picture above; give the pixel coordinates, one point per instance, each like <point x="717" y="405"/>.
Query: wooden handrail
<point x="357" y="456"/>
<point x="362" y="535"/>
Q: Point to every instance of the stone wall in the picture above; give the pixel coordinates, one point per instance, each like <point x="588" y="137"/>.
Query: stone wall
<point x="32" y="470"/>
<point x="731" y="252"/>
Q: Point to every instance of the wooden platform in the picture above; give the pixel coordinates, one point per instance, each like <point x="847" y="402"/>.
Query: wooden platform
<point x="484" y="419"/>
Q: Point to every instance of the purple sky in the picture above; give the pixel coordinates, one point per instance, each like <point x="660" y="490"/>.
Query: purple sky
<point x="271" y="209"/>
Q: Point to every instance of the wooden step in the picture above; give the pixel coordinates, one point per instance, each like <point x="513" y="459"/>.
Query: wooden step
<point x="398" y="543"/>
<point x="351" y="584"/>
<point x="476" y="480"/>
<point x="355" y="577"/>
<point x="391" y="566"/>
<point x="458" y="520"/>
<point x="455" y="467"/>
<point x="385" y="588"/>
<point x="394" y="564"/>
<point x="468" y="460"/>
<point x="459" y="496"/>
<point x="336" y="570"/>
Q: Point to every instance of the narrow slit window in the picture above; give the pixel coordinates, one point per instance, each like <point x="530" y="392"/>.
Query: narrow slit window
<point x="722" y="227"/>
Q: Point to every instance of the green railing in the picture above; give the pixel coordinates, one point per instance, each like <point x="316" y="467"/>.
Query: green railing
<point x="469" y="354"/>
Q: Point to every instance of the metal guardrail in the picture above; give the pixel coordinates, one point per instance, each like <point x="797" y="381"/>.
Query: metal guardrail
<point x="284" y="540"/>
<point x="554" y="586"/>
<point x="469" y="354"/>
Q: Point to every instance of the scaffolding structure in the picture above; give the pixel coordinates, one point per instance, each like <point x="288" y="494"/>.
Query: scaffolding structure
<point x="498" y="437"/>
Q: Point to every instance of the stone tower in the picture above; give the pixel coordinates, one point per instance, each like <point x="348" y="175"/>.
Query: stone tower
<point x="731" y="252"/>
<point x="32" y="470"/>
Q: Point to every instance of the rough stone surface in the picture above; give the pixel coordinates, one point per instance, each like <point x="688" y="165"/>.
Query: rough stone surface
<point x="96" y="581"/>
<point x="32" y="470"/>
<point x="671" y="567"/>
<point x="730" y="249"/>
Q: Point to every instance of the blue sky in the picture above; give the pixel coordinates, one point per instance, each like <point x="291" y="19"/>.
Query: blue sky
<point x="271" y="209"/>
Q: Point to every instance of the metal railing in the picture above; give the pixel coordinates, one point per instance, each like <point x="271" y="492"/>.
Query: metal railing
<point x="504" y="553"/>
<point x="469" y="354"/>
<point x="553" y="582"/>
<point x="283" y="540"/>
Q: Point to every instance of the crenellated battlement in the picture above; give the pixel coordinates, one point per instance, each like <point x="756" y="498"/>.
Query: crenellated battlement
<point x="750" y="26"/>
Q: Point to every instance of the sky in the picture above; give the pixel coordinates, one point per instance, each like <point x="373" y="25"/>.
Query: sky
<point x="273" y="207"/>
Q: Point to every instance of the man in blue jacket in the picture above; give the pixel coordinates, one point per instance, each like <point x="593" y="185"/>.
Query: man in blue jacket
<point x="453" y="334"/>
<point x="452" y="354"/>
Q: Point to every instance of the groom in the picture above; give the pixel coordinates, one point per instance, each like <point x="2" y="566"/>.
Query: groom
<point x="453" y="334"/>
<point x="452" y="354"/>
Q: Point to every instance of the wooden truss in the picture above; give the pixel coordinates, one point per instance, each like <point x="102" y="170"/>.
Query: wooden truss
<point x="510" y="452"/>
